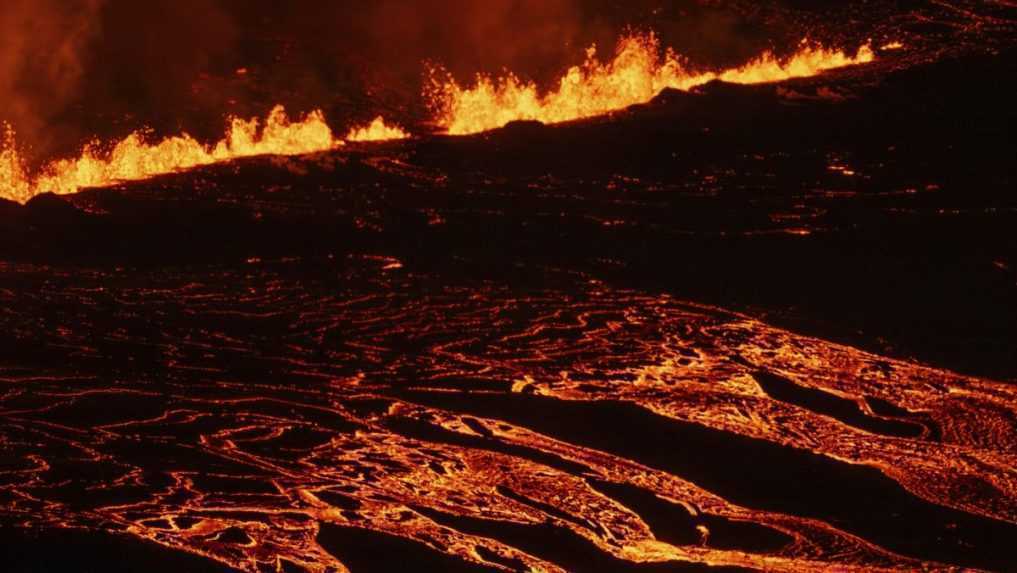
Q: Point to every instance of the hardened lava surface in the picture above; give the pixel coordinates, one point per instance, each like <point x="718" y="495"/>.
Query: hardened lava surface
<point x="740" y="328"/>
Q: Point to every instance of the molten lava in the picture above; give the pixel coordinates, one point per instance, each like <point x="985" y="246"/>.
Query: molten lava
<point x="638" y="72"/>
<point x="377" y="130"/>
<point x="133" y="158"/>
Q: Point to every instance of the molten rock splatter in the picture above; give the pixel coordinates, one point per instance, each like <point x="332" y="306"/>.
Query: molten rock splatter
<point x="133" y="158"/>
<point x="377" y="130"/>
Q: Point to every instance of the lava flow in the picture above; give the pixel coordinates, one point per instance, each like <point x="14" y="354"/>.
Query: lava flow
<point x="637" y="73"/>
<point x="745" y="326"/>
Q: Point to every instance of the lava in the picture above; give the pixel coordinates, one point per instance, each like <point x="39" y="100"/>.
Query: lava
<point x="135" y="158"/>
<point x="767" y="328"/>
<point x="442" y="448"/>
<point x="377" y="130"/>
<point x="639" y="71"/>
<point x="636" y="74"/>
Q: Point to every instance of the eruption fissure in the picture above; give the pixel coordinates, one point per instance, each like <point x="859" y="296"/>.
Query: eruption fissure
<point x="640" y="70"/>
<point x="134" y="158"/>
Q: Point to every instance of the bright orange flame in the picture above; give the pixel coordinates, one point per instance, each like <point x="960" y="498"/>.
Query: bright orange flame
<point x="637" y="73"/>
<point x="378" y="130"/>
<point x="133" y="158"/>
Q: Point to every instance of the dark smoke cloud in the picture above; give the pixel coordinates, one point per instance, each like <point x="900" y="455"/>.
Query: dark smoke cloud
<point x="76" y="68"/>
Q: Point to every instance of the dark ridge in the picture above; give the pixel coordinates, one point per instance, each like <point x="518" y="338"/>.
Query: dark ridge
<point x="8" y="207"/>
<point x="89" y="411"/>
<point x="558" y="545"/>
<point x="181" y="456"/>
<point x="290" y="567"/>
<point x="375" y="552"/>
<point x="888" y="410"/>
<point x="478" y="427"/>
<point x="549" y="509"/>
<point x="524" y="128"/>
<point x="336" y="499"/>
<point x="669" y="522"/>
<point x="234" y="535"/>
<point x="30" y="551"/>
<point x="841" y="409"/>
<point x="430" y="433"/>
<point x="50" y="210"/>
<point x="492" y="557"/>
<point x="674" y="524"/>
<point x="237" y="483"/>
<point x="756" y="473"/>
<point x="883" y="408"/>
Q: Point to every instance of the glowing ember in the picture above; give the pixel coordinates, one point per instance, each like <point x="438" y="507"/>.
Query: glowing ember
<point x="133" y="158"/>
<point x="378" y="130"/>
<point x="637" y="73"/>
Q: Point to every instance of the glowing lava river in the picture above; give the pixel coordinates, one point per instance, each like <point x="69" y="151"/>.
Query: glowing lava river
<point x="741" y="323"/>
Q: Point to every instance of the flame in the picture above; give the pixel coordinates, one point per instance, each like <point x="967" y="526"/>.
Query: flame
<point x="637" y="73"/>
<point x="134" y="158"/>
<point x="378" y="130"/>
<point x="14" y="182"/>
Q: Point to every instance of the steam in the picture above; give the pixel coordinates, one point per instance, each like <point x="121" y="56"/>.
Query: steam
<point x="41" y="64"/>
<point x="71" y="70"/>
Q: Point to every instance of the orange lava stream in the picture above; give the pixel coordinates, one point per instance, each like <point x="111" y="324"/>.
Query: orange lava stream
<point x="134" y="158"/>
<point x="638" y="72"/>
<point x="378" y="130"/>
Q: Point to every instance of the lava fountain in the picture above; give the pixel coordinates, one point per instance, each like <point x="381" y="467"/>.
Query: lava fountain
<point x="134" y="157"/>
<point x="639" y="71"/>
<point x="377" y="130"/>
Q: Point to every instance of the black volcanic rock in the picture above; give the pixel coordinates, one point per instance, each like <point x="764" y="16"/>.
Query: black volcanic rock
<point x="49" y="209"/>
<point x="524" y="128"/>
<point x="80" y="550"/>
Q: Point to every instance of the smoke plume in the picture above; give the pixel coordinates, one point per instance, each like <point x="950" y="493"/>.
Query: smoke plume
<point x="75" y="69"/>
<point x="41" y="62"/>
